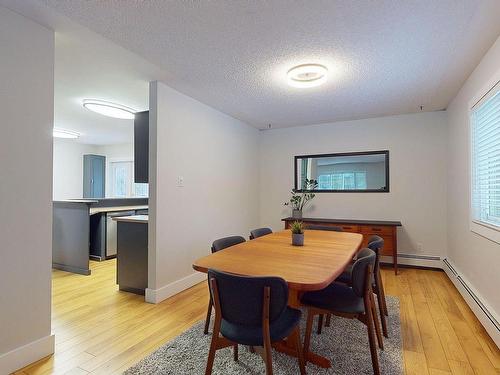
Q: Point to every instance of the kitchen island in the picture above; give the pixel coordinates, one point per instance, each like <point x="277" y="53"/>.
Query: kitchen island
<point x="132" y="253"/>
<point x="81" y="230"/>
<point x="70" y="235"/>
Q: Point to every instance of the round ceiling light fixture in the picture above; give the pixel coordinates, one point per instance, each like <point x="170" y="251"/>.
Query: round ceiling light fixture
<point x="63" y="133"/>
<point x="307" y="75"/>
<point x="109" y="109"/>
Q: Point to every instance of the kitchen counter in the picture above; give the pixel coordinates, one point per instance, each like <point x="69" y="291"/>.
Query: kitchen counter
<point x="79" y="230"/>
<point x="97" y="210"/>
<point x="132" y="219"/>
<point x="89" y="201"/>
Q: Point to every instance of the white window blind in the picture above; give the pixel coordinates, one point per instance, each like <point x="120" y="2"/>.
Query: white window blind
<point x="485" y="158"/>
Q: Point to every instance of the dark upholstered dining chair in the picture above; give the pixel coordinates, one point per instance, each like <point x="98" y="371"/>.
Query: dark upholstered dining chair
<point x="324" y="227"/>
<point x="355" y="302"/>
<point x="252" y="311"/>
<point x="256" y="233"/>
<point x="375" y="243"/>
<point x="217" y="245"/>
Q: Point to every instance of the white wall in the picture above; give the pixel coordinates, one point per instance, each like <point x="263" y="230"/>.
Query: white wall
<point x="68" y="168"/>
<point x="475" y="257"/>
<point x="417" y="194"/>
<point x="68" y="165"/>
<point x="216" y="155"/>
<point x="26" y="105"/>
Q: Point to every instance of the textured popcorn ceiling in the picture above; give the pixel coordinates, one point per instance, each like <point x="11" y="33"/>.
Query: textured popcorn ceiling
<point x="385" y="57"/>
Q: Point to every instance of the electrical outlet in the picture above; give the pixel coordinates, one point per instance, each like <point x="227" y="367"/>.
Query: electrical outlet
<point x="420" y="247"/>
<point x="180" y="181"/>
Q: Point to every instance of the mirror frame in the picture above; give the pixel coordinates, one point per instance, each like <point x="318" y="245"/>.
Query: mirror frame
<point x="383" y="152"/>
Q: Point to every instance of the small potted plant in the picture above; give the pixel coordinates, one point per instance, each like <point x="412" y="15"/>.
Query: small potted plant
<point x="297" y="229"/>
<point x="300" y="199"/>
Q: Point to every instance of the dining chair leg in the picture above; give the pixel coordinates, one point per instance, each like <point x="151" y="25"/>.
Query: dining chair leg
<point x="213" y="348"/>
<point x="382" y="294"/>
<point x="371" y="337"/>
<point x="376" y="321"/>
<point x="235" y="352"/>
<point x="268" y="357"/>
<point x="320" y="324"/>
<point x="209" y="314"/>
<point x="307" y="337"/>
<point x="328" y="320"/>
<point x="382" y="313"/>
<point x="300" y="355"/>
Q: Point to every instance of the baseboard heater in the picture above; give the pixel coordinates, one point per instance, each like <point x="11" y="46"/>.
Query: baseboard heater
<point x="476" y="299"/>
<point x="414" y="260"/>
<point x="421" y="257"/>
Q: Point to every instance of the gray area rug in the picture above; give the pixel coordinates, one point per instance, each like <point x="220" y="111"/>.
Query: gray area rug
<point x="345" y="343"/>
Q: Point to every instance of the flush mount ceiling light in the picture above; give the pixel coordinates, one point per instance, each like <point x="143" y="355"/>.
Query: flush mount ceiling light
<point x="307" y="75"/>
<point x="63" y="133"/>
<point x="109" y="109"/>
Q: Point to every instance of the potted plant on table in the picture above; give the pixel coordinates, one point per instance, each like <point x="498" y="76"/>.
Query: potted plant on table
<point x="297" y="229"/>
<point x="300" y="199"/>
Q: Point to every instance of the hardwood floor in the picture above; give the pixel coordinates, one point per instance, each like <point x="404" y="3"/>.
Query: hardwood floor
<point x="100" y="330"/>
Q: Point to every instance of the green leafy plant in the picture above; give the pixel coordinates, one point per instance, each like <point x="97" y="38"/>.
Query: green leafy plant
<point x="297" y="227"/>
<point x="300" y="199"/>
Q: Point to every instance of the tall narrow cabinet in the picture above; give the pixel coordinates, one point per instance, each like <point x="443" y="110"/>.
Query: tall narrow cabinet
<point x="94" y="176"/>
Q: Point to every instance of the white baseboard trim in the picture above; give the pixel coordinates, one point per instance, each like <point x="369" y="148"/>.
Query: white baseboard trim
<point x="160" y="294"/>
<point x="431" y="261"/>
<point x="484" y="313"/>
<point x="26" y="354"/>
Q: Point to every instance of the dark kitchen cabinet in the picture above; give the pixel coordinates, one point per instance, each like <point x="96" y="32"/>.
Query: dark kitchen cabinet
<point x="141" y="147"/>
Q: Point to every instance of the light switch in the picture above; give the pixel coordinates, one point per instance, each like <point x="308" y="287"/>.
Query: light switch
<point x="180" y="181"/>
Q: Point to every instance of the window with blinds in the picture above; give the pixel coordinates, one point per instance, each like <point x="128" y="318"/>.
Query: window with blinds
<point x="485" y="158"/>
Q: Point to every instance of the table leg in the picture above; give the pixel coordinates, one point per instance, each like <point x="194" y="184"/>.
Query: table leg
<point x="287" y="347"/>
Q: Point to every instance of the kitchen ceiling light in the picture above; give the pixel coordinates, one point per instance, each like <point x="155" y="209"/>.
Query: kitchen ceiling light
<point x="63" y="133"/>
<point x="109" y="109"/>
<point x="307" y="75"/>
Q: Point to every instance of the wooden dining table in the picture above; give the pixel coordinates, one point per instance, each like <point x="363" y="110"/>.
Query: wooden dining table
<point x="314" y="266"/>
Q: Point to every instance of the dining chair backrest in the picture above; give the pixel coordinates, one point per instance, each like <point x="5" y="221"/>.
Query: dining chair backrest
<point x="259" y="232"/>
<point x="241" y="297"/>
<point x="222" y="243"/>
<point x="366" y="257"/>
<point x="376" y="243"/>
<point x="324" y="227"/>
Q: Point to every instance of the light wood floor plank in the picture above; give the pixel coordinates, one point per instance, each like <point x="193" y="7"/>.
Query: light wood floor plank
<point x="460" y="368"/>
<point x="478" y="359"/>
<point x="433" y="349"/>
<point x="412" y="340"/>
<point x="450" y="342"/>
<point x="415" y="363"/>
<point x="433" y="371"/>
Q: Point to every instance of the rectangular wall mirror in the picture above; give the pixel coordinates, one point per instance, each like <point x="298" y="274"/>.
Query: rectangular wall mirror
<point x="346" y="172"/>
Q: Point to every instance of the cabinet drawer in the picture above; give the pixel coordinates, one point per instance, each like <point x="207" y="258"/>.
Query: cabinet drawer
<point x="349" y="228"/>
<point x="376" y="229"/>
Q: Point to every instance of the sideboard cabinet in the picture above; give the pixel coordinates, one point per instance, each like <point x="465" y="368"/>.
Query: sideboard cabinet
<point x="385" y="229"/>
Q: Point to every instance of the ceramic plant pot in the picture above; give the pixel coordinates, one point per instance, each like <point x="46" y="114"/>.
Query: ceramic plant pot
<point x="298" y="239"/>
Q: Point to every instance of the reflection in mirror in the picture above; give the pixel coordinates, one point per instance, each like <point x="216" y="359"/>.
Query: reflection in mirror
<point x="357" y="171"/>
